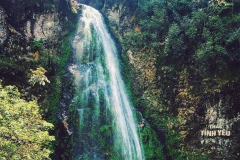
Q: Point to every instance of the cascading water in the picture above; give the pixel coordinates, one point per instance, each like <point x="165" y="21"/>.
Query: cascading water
<point x="107" y="128"/>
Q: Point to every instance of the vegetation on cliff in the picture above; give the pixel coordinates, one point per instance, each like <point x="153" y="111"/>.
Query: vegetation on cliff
<point x="179" y="55"/>
<point x="24" y="134"/>
<point x="182" y="55"/>
<point x="30" y="61"/>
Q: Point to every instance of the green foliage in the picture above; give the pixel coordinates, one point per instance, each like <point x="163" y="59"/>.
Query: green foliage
<point x="151" y="144"/>
<point x="8" y="67"/>
<point x="174" y="44"/>
<point x="56" y="81"/>
<point x="7" y="63"/>
<point x="201" y="38"/>
<point x="36" y="45"/>
<point x="64" y="55"/>
<point x="15" y="69"/>
<point x="23" y="133"/>
<point x="106" y="129"/>
<point x="38" y="76"/>
<point x="105" y="136"/>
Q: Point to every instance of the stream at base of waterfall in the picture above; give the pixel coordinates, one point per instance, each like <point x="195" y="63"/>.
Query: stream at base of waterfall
<point x="107" y="127"/>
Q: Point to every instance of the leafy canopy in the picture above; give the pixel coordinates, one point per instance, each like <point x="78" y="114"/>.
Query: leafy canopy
<point x="38" y="76"/>
<point x="23" y="132"/>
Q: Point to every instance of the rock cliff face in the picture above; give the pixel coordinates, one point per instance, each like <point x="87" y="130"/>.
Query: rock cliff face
<point x="26" y="26"/>
<point x="3" y="26"/>
<point x="27" y="22"/>
<point x="35" y="34"/>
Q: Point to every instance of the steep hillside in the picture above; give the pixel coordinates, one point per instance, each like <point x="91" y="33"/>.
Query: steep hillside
<point x="34" y="48"/>
<point x="180" y="60"/>
<point x="181" y="63"/>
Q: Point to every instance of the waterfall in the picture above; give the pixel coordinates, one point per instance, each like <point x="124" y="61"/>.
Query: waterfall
<point x="107" y="127"/>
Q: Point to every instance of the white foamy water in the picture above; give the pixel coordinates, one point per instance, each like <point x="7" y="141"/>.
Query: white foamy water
<point x="107" y="127"/>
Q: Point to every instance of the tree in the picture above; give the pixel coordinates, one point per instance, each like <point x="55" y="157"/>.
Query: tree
<point x="38" y="76"/>
<point x="23" y="132"/>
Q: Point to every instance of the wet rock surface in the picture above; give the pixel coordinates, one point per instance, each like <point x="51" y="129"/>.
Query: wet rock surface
<point x="3" y="26"/>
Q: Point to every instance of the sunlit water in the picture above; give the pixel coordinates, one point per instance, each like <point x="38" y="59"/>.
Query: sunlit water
<point x="107" y="127"/>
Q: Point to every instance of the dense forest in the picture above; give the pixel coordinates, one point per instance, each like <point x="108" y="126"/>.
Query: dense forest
<point x="180" y="61"/>
<point x="189" y="68"/>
